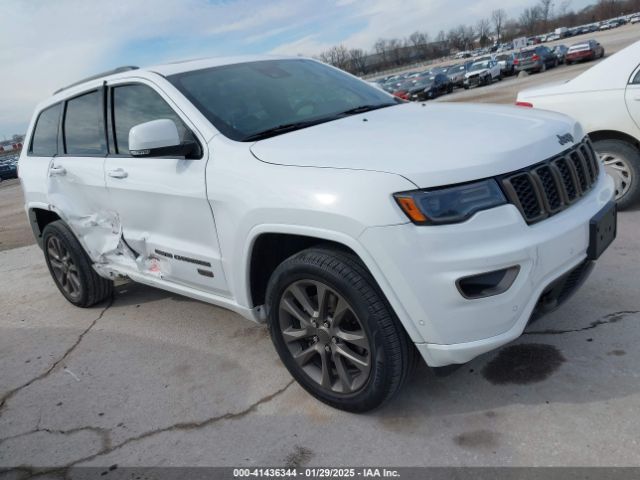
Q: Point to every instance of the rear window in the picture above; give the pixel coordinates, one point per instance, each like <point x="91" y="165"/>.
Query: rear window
<point x="84" y="132"/>
<point x="44" y="142"/>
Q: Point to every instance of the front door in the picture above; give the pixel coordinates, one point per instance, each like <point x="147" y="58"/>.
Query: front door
<point x="162" y="202"/>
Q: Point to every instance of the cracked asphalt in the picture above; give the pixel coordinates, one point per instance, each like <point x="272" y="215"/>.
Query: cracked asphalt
<point x="152" y="379"/>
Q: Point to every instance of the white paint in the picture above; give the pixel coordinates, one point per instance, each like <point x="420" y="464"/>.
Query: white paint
<point x="334" y="182"/>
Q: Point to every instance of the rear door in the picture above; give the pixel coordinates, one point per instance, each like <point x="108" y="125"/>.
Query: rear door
<point x="632" y="97"/>
<point x="76" y="185"/>
<point x="38" y="154"/>
<point x="162" y="202"/>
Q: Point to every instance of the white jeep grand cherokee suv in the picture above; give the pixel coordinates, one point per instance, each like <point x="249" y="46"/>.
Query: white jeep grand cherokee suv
<point x="293" y="193"/>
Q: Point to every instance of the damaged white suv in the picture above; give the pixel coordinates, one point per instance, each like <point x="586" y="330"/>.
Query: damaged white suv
<point x="360" y="228"/>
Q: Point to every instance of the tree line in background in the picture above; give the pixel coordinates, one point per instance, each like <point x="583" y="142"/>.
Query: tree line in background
<point x="541" y="18"/>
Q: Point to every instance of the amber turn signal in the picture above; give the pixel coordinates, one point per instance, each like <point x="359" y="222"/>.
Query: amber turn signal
<point x="409" y="207"/>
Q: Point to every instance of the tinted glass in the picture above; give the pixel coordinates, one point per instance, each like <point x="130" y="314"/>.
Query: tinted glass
<point x="136" y="104"/>
<point x="45" y="136"/>
<point x="248" y="99"/>
<point x="84" y="125"/>
<point x="636" y="79"/>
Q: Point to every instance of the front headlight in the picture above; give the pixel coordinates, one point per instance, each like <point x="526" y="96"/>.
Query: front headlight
<point x="441" y="206"/>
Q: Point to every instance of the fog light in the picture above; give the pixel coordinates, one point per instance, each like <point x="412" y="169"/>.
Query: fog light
<point x="487" y="284"/>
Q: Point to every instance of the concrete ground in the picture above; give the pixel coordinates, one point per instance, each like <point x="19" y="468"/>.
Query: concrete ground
<point x="153" y="379"/>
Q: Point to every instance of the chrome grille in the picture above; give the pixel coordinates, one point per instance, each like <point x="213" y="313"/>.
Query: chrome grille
<point x="549" y="187"/>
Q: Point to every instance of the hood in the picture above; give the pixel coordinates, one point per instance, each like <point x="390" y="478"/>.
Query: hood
<point x="476" y="72"/>
<point x="431" y="145"/>
<point x="421" y="88"/>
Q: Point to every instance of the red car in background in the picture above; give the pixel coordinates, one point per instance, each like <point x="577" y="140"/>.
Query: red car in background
<point x="589" y="50"/>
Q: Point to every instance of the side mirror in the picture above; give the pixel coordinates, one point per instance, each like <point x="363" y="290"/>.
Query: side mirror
<point x="156" y="139"/>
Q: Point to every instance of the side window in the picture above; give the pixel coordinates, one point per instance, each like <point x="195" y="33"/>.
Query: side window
<point x="636" y="79"/>
<point x="84" y="125"/>
<point x="44" y="142"/>
<point x="135" y="104"/>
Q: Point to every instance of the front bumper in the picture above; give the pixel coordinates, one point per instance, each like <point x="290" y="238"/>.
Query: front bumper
<point x="473" y="81"/>
<point x="423" y="263"/>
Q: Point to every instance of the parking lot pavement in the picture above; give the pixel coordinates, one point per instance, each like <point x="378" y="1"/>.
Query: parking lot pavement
<point x="154" y="379"/>
<point x="14" y="228"/>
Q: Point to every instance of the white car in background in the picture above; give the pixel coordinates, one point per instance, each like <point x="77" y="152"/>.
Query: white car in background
<point x="606" y="101"/>
<point x="482" y="72"/>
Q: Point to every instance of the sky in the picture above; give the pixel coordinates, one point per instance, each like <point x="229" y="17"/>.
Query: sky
<point x="46" y="44"/>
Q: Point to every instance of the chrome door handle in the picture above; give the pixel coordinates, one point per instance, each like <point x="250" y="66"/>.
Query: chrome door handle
<point x="57" y="171"/>
<point x="118" y="173"/>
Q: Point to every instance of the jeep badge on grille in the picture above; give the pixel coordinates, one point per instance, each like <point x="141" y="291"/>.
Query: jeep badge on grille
<point x="566" y="138"/>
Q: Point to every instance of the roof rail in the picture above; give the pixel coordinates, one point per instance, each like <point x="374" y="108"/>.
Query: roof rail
<point x="126" y="68"/>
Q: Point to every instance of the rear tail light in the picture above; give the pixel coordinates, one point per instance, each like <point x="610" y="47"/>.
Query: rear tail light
<point x="516" y="62"/>
<point x="524" y="104"/>
<point x="535" y="58"/>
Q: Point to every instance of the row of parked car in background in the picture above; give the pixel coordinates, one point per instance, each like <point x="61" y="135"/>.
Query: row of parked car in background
<point x="558" y="34"/>
<point x="484" y="70"/>
<point x="9" y="166"/>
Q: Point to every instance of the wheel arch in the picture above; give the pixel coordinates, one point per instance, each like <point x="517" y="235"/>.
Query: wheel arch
<point x="39" y="218"/>
<point x="614" y="135"/>
<point x="289" y="240"/>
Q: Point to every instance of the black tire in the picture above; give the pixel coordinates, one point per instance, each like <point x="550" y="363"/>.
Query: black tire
<point x="91" y="287"/>
<point x="390" y="351"/>
<point x="630" y="157"/>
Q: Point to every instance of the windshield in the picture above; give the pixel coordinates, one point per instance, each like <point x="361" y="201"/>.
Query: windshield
<point x="479" y="66"/>
<point x="502" y="57"/>
<point x="246" y="100"/>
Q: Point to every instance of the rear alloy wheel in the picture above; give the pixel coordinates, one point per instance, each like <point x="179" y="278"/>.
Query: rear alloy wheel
<point x="70" y="267"/>
<point x="334" y="331"/>
<point x="621" y="161"/>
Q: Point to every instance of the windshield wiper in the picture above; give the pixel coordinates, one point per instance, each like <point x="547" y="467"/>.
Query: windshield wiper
<point x="284" y="128"/>
<point x="290" y="127"/>
<point x="364" y="109"/>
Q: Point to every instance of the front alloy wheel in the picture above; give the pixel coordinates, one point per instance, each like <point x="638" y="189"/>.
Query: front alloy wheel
<point x="335" y="332"/>
<point x="325" y="337"/>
